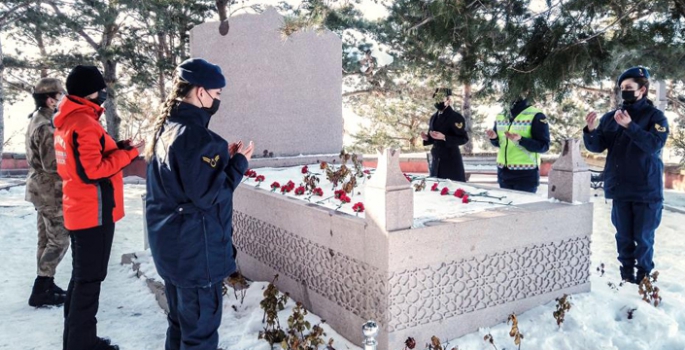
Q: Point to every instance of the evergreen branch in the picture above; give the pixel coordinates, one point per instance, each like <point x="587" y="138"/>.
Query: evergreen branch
<point x="5" y="19"/>
<point x="77" y="27"/>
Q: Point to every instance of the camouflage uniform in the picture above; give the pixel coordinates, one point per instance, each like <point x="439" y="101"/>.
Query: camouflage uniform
<point x="44" y="190"/>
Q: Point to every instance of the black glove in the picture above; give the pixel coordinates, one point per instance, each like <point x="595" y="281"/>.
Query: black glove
<point x="125" y="145"/>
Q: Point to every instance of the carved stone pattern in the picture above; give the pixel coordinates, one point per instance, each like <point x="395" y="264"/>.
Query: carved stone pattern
<point x="352" y="284"/>
<point x="433" y="293"/>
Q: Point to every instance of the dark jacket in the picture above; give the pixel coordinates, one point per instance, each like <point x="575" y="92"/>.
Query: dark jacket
<point x="190" y="185"/>
<point x="446" y="160"/>
<point x="538" y="143"/>
<point x="633" y="170"/>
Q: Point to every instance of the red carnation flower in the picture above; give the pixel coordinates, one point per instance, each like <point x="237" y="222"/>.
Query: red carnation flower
<point x="345" y="199"/>
<point x="291" y="185"/>
<point x="435" y="187"/>
<point x="318" y="192"/>
<point x="260" y="178"/>
<point x="445" y="191"/>
<point x="299" y="191"/>
<point x="459" y="193"/>
<point x="358" y="208"/>
<point x="253" y="174"/>
<point x="407" y="177"/>
<point x="367" y="171"/>
<point x="466" y="199"/>
<point x="275" y="185"/>
<point x="305" y="169"/>
<point x="340" y="194"/>
<point x="249" y="173"/>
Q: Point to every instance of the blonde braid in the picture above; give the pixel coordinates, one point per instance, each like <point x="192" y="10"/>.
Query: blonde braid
<point x="179" y="91"/>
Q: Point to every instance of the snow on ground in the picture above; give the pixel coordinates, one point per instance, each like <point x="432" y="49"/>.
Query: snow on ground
<point x="131" y="317"/>
<point x="428" y="205"/>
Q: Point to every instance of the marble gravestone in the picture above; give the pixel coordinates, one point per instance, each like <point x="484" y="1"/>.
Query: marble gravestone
<point x="284" y="93"/>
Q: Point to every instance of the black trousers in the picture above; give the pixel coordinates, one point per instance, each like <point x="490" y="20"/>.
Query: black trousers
<point x="90" y="250"/>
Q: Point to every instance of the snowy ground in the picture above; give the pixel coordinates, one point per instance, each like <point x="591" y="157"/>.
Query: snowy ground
<point x="130" y="315"/>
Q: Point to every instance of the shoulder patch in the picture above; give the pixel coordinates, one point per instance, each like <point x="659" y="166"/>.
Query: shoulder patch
<point x="659" y="128"/>
<point x="459" y="125"/>
<point x="543" y="120"/>
<point x="211" y="161"/>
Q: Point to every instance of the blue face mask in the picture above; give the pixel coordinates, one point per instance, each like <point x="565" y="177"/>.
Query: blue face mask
<point x="100" y="100"/>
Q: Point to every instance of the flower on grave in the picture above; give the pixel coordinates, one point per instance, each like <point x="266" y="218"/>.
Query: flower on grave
<point x="434" y="188"/>
<point x="460" y="193"/>
<point x="345" y="199"/>
<point x="367" y="172"/>
<point x="445" y="191"/>
<point x="299" y="191"/>
<point x="340" y="194"/>
<point x="466" y="199"/>
<point x="250" y="173"/>
<point x="323" y="165"/>
<point x="305" y="169"/>
<point x="275" y="185"/>
<point x="317" y="192"/>
<point x="253" y="174"/>
<point x="407" y="177"/>
<point x="260" y="178"/>
<point x="291" y="185"/>
<point x="358" y="208"/>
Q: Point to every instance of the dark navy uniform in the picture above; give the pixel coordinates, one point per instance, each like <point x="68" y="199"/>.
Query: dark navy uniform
<point x="446" y="157"/>
<point x="190" y="185"/>
<point x="633" y="178"/>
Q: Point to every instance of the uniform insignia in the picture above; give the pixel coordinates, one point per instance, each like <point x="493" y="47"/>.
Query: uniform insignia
<point x="210" y="161"/>
<point x="660" y="128"/>
<point x="459" y="125"/>
<point x="543" y="120"/>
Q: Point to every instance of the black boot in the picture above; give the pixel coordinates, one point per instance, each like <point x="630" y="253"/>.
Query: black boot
<point x="628" y="275"/>
<point x="43" y="295"/>
<point x="55" y="288"/>
<point x="105" y="344"/>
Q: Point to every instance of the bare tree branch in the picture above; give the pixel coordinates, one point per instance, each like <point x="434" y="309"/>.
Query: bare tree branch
<point x="78" y="29"/>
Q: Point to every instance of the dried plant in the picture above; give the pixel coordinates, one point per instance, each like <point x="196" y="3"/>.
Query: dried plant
<point x="649" y="291"/>
<point x="600" y="269"/>
<point x="631" y="313"/>
<point x="514" y="332"/>
<point x="420" y="186"/>
<point x="563" y="306"/>
<point x="272" y="303"/>
<point x="435" y="344"/>
<point x="489" y="339"/>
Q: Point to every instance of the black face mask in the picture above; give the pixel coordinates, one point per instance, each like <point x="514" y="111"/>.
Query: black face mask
<point x="100" y="100"/>
<point x="214" y="107"/>
<point x="440" y="106"/>
<point x="628" y="96"/>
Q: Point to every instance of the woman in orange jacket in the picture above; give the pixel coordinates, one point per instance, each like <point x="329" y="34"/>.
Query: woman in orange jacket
<point x="89" y="162"/>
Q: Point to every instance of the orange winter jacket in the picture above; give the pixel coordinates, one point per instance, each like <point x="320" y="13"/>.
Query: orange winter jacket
<point x="89" y="163"/>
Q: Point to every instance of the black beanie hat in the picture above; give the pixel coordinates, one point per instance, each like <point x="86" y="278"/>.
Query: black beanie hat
<point x="85" y="80"/>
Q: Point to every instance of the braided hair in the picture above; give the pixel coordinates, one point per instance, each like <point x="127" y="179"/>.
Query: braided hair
<point x="180" y="90"/>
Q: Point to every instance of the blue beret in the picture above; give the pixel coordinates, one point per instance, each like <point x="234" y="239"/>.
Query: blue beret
<point x="635" y="72"/>
<point x="202" y="73"/>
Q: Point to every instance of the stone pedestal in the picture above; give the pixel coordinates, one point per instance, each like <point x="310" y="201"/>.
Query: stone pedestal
<point x="389" y="196"/>
<point x="569" y="180"/>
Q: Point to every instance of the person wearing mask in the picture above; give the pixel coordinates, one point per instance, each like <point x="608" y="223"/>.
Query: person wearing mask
<point x="89" y="162"/>
<point x="191" y="177"/>
<point x="634" y="136"/>
<point x="44" y="190"/>
<point x="521" y="134"/>
<point x="447" y="131"/>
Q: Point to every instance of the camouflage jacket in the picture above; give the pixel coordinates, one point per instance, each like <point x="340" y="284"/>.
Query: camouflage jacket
<point x="44" y="185"/>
